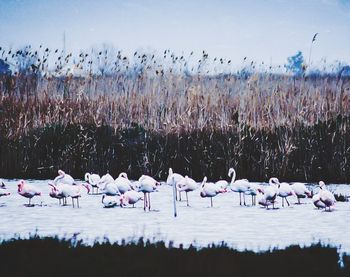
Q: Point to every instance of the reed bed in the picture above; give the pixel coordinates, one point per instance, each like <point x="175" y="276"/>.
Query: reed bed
<point x="39" y="256"/>
<point x="102" y="111"/>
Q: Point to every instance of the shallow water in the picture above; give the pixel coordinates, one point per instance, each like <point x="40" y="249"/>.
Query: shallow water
<point x="252" y="228"/>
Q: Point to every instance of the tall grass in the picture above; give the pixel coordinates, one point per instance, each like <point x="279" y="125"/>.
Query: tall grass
<point x="82" y="113"/>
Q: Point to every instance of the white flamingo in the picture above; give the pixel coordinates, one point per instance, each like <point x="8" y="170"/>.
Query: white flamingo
<point x="105" y="179"/>
<point x="93" y="180"/>
<point x="147" y="186"/>
<point x="173" y="179"/>
<point x="301" y="191"/>
<point x="284" y="191"/>
<point x="111" y="189"/>
<point x="253" y="192"/>
<point x="326" y="197"/>
<point x="72" y="191"/>
<point x="317" y="202"/>
<point x="269" y="193"/>
<point x="27" y="190"/>
<point x="56" y="193"/>
<point x="130" y="197"/>
<point x="63" y="178"/>
<point x="3" y="189"/>
<point x="110" y="201"/>
<point x="210" y="190"/>
<point x="241" y="186"/>
<point x="123" y="183"/>
<point x="187" y="185"/>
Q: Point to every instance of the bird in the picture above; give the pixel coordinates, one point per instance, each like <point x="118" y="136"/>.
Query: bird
<point x="210" y="190"/>
<point x="28" y="191"/>
<point x="56" y="193"/>
<point x="110" y="201"/>
<point x="173" y="179"/>
<point x="270" y="193"/>
<point x="105" y="179"/>
<point x="187" y="185"/>
<point x="72" y="191"/>
<point x="123" y="183"/>
<point x="253" y="192"/>
<point x="317" y="201"/>
<point x="93" y="180"/>
<point x="240" y="186"/>
<point x="3" y="189"/>
<point x="111" y="189"/>
<point x="130" y="197"/>
<point x="284" y="191"/>
<point x="326" y="197"/>
<point x="147" y="185"/>
<point x="300" y="191"/>
<point x="63" y="178"/>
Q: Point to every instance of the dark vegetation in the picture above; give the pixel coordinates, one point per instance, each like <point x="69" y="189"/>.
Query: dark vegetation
<point x="53" y="257"/>
<point x="104" y="112"/>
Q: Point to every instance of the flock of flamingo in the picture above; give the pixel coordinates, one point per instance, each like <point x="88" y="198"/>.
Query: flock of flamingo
<point x="122" y="192"/>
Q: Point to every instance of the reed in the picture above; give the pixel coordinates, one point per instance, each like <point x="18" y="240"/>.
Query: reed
<point x="102" y="111"/>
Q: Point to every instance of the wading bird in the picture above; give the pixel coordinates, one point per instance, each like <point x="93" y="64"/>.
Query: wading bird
<point x="110" y="201"/>
<point x="147" y="186"/>
<point x="187" y="185"/>
<point x="326" y="197"/>
<point x="241" y="186"/>
<point x="93" y="180"/>
<point x="210" y="190"/>
<point x="284" y="191"/>
<point x="173" y="179"/>
<point x="3" y="190"/>
<point x="270" y="193"/>
<point x="123" y="183"/>
<point x="27" y="191"/>
<point x="63" y="178"/>
<point x="301" y="191"/>
<point x="130" y="197"/>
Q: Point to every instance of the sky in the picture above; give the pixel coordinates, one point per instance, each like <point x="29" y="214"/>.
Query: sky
<point x="268" y="31"/>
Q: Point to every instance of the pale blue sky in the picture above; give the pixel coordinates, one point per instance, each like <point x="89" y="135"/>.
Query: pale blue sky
<point x="266" y="31"/>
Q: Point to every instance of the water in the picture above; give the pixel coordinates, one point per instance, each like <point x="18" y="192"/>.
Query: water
<point x="252" y="228"/>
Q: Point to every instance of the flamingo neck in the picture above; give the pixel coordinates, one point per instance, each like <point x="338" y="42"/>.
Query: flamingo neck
<point x="233" y="176"/>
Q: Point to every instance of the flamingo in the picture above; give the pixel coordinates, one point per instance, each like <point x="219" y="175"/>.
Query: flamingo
<point x="111" y="189"/>
<point x="130" y="197"/>
<point x="284" y="191"/>
<point x="326" y="197"/>
<point x="56" y="193"/>
<point x="187" y="185"/>
<point x="253" y="192"/>
<point x="241" y="186"/>
<point x="72" y="191"/>
<point x="210" y="190"/>
<point x="269" y="193"/>
<point x="173" y="179"/>
<point x="27" y="191"/>
<point x="105" y="179"/>
<point x="110" y="201"/>
<point x="301" y="191"/>
<point x="123" y="183"/>
<point x="93" y="180"/>
<point x="3" y="191"/>
<point x="63" y="178"/>
<point x="317" y="202"/>
<point x="147" y="185"/>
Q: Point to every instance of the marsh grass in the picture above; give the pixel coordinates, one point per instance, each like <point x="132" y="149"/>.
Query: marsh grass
<point x="145" y="114"/>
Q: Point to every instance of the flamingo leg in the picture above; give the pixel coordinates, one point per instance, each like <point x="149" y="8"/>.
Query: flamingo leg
<point x="211" y="201"/>
<point x="187" y="199"/>
<point x="144" y="201"/>
<point x="252" y="200"/>
<point x="283" y="202"/>
<point x="240" y="199"/>
<point x="78" y="202"/>
<point x="180" y="195"/>
<point x="244" y="200"/>
<point x="287" y="201"/>
<point x="149" y="201"/>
